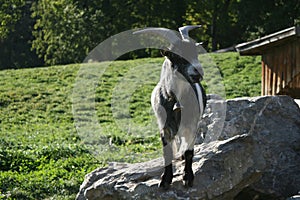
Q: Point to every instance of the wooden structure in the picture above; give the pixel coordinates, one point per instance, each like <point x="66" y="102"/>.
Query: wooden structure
<point x="280" y="61"/>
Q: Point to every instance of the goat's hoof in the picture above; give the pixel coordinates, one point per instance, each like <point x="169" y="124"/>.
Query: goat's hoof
<point x="166" y="181"/>
<point x="164" y="186"/>
<point x="188" y="180"/>
<point x="188" y="183"/>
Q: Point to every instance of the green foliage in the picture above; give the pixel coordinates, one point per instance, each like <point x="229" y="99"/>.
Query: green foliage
<point x="15" y="35"/>
<point x="47" y="32"/>
<point x="60" y="32"/>
<point x="66" y="30"/>
<point x="10" y="13"/>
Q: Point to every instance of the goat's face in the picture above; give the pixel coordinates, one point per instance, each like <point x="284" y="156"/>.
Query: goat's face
<point x="184" y="58"/>
<point x="183" y="52"/>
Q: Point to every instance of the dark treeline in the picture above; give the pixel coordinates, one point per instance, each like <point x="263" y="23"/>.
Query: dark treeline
<point x="49" y="32"/>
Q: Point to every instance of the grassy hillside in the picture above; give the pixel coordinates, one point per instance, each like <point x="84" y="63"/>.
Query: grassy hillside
<point x="41" y="154"/>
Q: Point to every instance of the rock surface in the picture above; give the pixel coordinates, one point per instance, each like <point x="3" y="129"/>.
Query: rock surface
<point x="251" y="150"/>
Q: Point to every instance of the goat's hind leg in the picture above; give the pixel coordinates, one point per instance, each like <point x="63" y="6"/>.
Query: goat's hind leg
<point x="167" y="176"/>
<point x="188" y="176"/>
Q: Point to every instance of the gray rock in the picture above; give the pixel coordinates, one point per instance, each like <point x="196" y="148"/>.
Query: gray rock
<point x="254" y="155"/>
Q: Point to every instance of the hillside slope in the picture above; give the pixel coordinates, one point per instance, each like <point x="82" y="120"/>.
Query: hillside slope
<point x="41" y="154"/>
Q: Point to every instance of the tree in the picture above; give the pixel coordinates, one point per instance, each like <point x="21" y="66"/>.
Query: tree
<point x="10" y="13"/>
<point x="59" y="31"/>
<point x="214" y="16"/>
<point x="15" y="35"/>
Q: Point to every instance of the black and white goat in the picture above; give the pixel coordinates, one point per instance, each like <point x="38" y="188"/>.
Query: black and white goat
<point x="178" y="100"/>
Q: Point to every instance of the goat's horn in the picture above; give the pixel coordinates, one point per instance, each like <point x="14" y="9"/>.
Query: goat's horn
<point x="164" y="32"/>
<point x="184" y="31"/>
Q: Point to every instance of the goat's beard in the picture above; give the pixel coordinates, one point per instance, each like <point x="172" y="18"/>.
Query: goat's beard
<point x="200" y="98"/>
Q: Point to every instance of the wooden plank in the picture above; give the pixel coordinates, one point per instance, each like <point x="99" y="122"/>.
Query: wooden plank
<point x="266" y="74"/>
<point x="278" y="69"/>
<point x="297" y="82"/>
<point x="294" y="91"/>
<point x="274" y="67"/>
<point x="293" y="57"/>
<point x="284" y="66"/>
<point x="297" y="86"/>
<point x="263" y="74"/>
<point x="297" y="56"/>
<point x="281" y="60"/>
<point x="269" y="73"/>
<point x="298" y="64"/>
<point x="289" y="66"/>
<point x="267" y="80"/>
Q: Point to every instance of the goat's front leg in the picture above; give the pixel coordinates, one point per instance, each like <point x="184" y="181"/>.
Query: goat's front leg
<point x="188" y="176"/>
<point x="167" y="176"/>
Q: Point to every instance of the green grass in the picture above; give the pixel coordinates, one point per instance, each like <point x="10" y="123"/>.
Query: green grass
<point x="42" y="156"/>
<point x="241" y="74"/>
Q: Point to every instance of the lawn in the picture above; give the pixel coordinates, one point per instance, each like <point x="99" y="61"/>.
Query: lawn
<point x="56" y="124"/>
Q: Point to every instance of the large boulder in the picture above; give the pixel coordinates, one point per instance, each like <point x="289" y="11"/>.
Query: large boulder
<point x="251" y="150"/>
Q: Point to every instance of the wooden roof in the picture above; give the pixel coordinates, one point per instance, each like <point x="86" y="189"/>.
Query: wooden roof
<point x="258" y="46"/>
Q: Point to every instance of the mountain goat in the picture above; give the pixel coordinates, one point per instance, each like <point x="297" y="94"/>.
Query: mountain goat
<point x="178" y="100"/>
